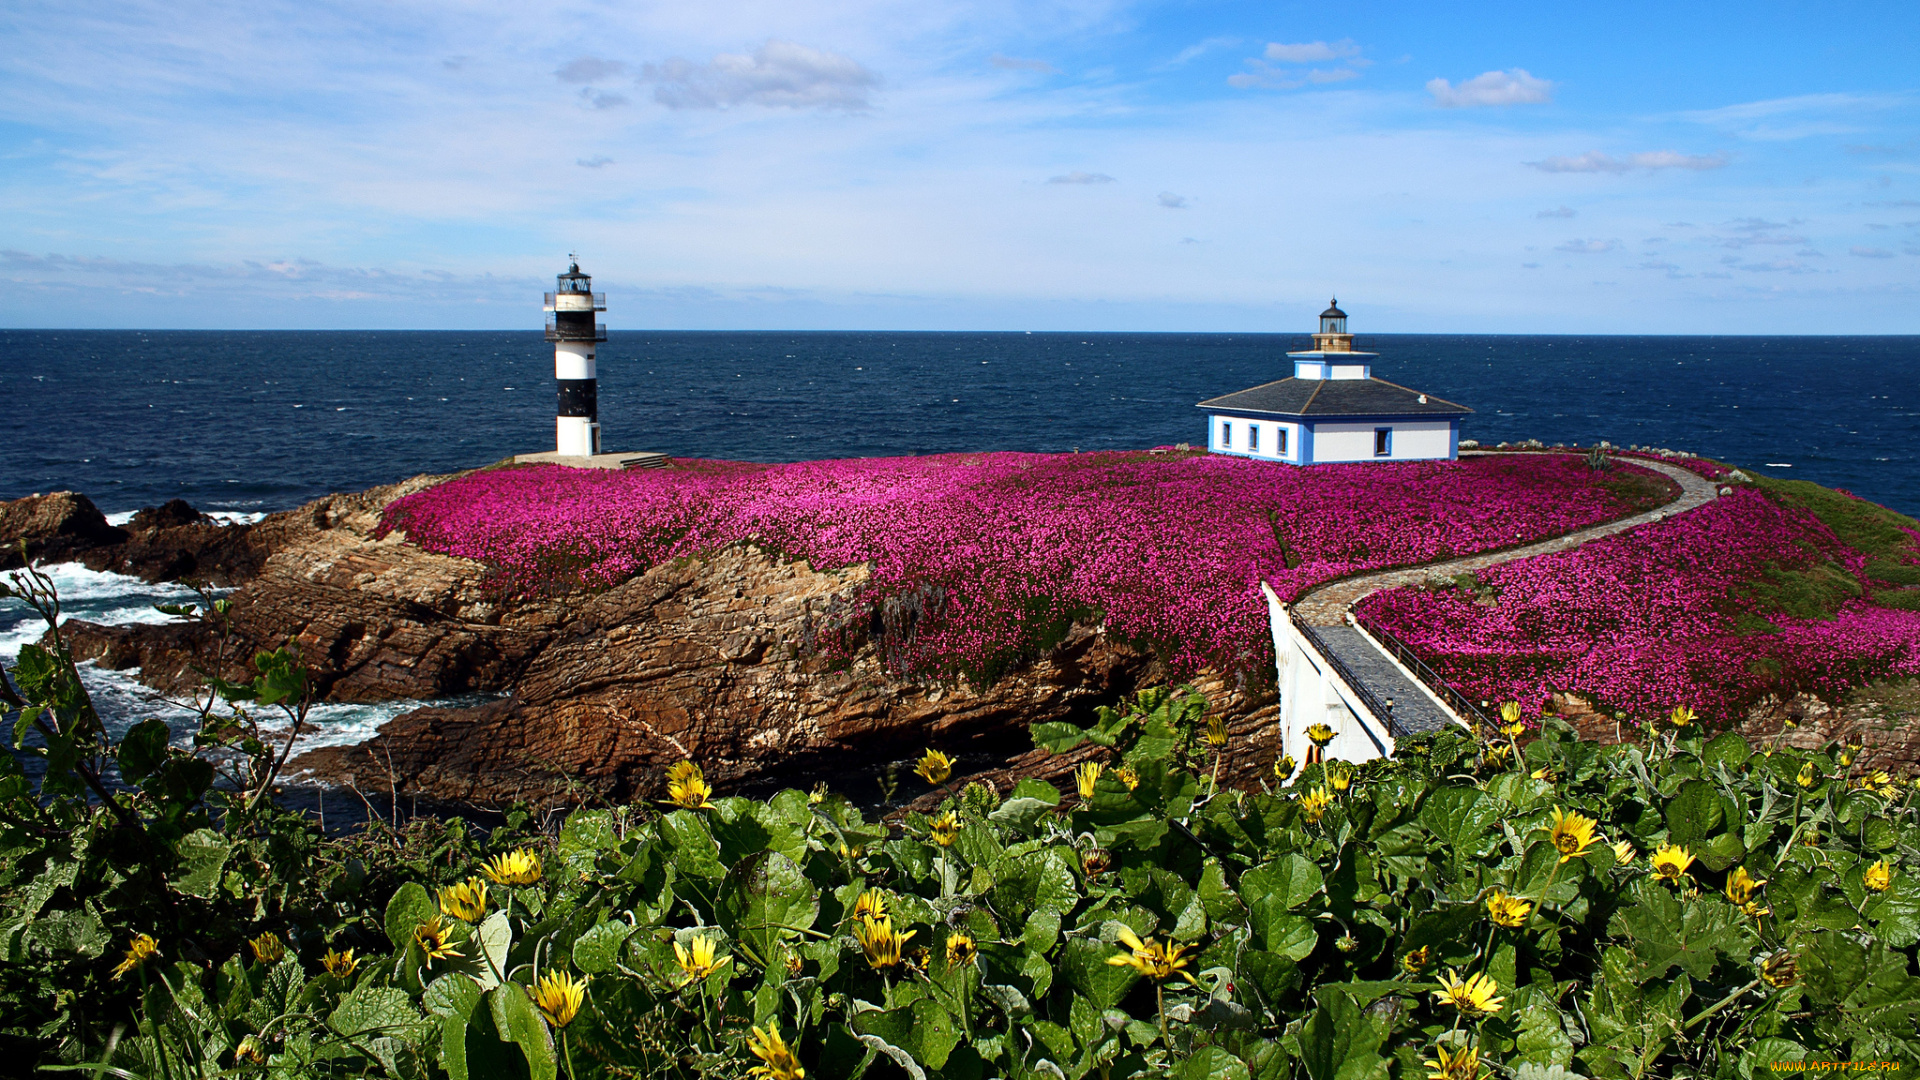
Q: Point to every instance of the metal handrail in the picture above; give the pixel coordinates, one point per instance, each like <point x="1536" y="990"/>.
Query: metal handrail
<point x="1381" y="712"/>
<point x="555" y="333"/>
<point x="1424" y="672"/>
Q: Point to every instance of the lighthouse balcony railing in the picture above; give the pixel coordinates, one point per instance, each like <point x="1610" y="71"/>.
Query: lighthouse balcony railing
<point x="555" y="332"/>
<point x="599" y="300"/>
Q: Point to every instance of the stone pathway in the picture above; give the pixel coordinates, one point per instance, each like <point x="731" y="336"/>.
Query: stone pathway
<point x="1325" y="608"/>
<point x="1328" y="604"/>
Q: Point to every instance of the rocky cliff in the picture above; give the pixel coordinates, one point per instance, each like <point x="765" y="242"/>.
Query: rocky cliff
<point x="601" y="691"/>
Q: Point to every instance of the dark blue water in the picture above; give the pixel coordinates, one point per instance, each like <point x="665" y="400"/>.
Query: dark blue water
<point x="264" y="420"/>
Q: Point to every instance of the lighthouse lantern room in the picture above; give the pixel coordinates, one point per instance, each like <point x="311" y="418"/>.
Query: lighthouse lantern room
<point x="574" y="333"/>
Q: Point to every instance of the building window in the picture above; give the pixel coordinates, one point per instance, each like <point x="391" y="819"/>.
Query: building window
<point x="1253" y="438"/>
<point x="1383" y="442"/>
<point x="1280" y="440"/>
<point x="1226" y="436"/>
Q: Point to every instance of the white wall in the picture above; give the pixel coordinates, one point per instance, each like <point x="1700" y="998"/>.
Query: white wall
<point x="1269" y="438"/>
<point x="1413" y="440"/>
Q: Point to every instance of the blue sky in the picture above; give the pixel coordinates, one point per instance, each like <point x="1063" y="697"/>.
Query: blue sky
<point x="1611" y="168"/>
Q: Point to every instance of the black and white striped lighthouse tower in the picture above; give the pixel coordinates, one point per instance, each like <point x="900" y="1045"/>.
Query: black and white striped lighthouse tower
<point x="574" y="333"/>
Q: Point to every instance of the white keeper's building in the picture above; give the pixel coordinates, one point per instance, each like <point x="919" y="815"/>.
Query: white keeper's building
<point x="1333" y="409"/>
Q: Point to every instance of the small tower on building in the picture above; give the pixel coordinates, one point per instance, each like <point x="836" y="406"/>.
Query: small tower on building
<point x="574" y="333"/>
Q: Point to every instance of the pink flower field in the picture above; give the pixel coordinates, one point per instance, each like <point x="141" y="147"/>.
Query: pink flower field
<point x="1695" y="610"/>
<point x="986" y="553"/>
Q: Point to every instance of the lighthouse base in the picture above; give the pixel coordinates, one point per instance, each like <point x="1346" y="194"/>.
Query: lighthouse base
<point x="641" y="460"/>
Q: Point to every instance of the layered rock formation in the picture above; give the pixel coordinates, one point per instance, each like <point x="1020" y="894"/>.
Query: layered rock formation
<point x="702" y="658"/>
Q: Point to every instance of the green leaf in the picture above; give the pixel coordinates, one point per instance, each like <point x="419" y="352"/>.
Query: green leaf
<point x="1287" y="883"/>
<point x="1693" y="813"/>
<point x="142" y="749"/>
<point x="519" y="1022"/>
<point x="1728" y="749"/>
<point x="1056" y="736"/>
<point x="1211" y="1062"/>
<point x="495" y="936"/>
<point x="409" y="907"/>
<point x="1084" y="963"/>
<point x="1666" y="933"/>
<point x="598" y="949"/>
<point x="1020" y="813"/>
<point x="1340" y="1041"/>
<point x="765" y="898"/>
<point x="1029" y="788"/>
<point x="1463" y="818"/>
<point x="584" y="835"/>
<point x="203" y="856"/>
<point x="923" y="1029"/>
<point x="371" y="1009"/>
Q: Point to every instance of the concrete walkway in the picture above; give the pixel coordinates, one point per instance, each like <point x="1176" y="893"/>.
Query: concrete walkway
<point x="1325" y="609"/>
<point x="1328" y="604"/>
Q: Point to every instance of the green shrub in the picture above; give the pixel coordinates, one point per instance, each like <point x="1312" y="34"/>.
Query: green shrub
<point x="1149" y="922"/>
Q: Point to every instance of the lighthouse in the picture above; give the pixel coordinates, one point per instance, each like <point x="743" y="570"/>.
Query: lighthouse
<point x="574" y="333"/>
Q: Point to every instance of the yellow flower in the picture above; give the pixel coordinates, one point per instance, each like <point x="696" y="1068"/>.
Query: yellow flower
<point x="1544" y="772"/>
<point x="1086" y="776"/>
<point x="434" y="940"/>
<point x="465" y="900"/>
<point x="140" y="950"/>
<point x="1417" y="960"/>
<point x="934" y="767"/>
<point x="518" y="867"/>
<point x="1845" y="756"/>
<point x="1681" y="716"/>
<point x="1513" y="730"/>
<point x="1315" y="803"/>
<point x="1805" y="779"/>
<point x="945" y="829"/>
<point x="1670" y="862"/>
<point x="267" y="948"/>
<point x="1216" y="732"/>
<point x="1127" y="776"/>
<point x="1510" y="713"/>
<point x="249" y="1051"/>
<point x="560" y="995"/>
<point x="696" y="958"/>
<point x="1878" y="781"/>
<point x="1498" y="755"/>
<point x="1508" y="911"/>
<point x="1878" y="877"/>
<point x="1740" y="889"/>
<point x="871" y="904"/>
<point x="880" y="942"/>
<point x="339" y="964"/>
<point x="1340" y="775"/>
<point x="1150" y="958"/>
<point x="1455" y="1065"/>
<point x="960" y="950"/>
<point x="1572" y="834"/>
<point x="796" y="966"/>
<point x="1623" y="852"/>
<point x="1473" y="996"/>
<point x="687" y="787"/>
<point x="1285" y="766"/>
<point x="1780" y="970"/>
<point x="1321" y="734"/>
<point x="780" y="1062"/>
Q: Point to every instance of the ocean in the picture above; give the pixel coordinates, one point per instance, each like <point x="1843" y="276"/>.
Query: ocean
<point x="245" y="423"/>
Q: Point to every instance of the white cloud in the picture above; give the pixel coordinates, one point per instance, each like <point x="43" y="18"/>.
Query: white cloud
<point x="1173" y="202"/>
<point x="1263" y="75"/>
<point x="593" y="162"/>
<point x="1195" y="51"/>
<point x="1557" y="212"/>
<point x="1514" y="87"/>
<point x="1311" y="52"/>
<point x="779" y="74"/>
<point x="1589" y="247"/>
<point x="1870" y="252"/>
<point x="1015" y="63"/>
<point x="589" y="69"/>
<point x="1782" y="119"/>
<point x="1593" y="161"/>
<point x="1077" y="177"/>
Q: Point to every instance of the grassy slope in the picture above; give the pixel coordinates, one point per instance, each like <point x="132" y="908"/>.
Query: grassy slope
<point x="1882" y="535"/>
